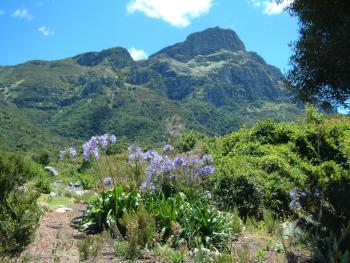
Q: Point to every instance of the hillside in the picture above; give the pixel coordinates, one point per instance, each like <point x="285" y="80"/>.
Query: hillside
<point x="209" y="80"/>
<point x="18" y="133"/>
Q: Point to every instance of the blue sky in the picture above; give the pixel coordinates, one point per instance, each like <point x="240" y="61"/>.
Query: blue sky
<point x="55" y="29"/>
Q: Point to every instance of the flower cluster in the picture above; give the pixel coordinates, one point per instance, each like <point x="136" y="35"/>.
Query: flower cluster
<point x="68" y="152"/>
<point x="160" y="166"/>
<point x="93" y="146"/>
<point x="168" y="149"/>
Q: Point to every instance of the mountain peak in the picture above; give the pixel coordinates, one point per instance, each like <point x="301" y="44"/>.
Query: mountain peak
<point x="117" y="57"/>
<point x="204" y="43"/>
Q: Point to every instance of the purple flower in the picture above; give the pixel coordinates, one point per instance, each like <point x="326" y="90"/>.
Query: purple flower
<point x="149" y="155"/>
<point x="168" y="149"/>
<point x="91" y="148"/>
<point x="167" y="165"/>
<point x="161" y="167"/>
<point x="295" y="198"/>
<point x="137" y="154"/>
<point x="70" y="152"/>
<point x="207" y="159"/>
<point x="106" y="139"/>
<point x="206" y="170"/>
<point x="195" y="161"/>
<point x="179" y="162"/>
<point x="131" y="148"/>
<point x="113" y="138"/>
<point x="96" y="154"/>
<point x="103" y="140"/>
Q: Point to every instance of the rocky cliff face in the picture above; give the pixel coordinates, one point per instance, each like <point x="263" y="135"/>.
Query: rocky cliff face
<point x="204" y="43"/>
<point x="209" y="80"/>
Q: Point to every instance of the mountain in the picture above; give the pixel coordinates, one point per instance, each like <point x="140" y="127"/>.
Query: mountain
<point x="209" y="80"/>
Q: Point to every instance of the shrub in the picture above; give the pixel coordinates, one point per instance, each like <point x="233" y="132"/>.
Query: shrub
<point x="268" y="132"/>
<point x="140" y="229"/>
<point x="87" y="181"/>
<point x="118" y="147"/>
<point x="88" y="248"/>
<point x="238" y="192"/>
<point x="144" y="224"/>
<point x="188" y="140"/>
<point x="236" y="222"/>
<point x="18" y="210"/>
<point x="270" y="223"/>
<point x="122" y="248"/>
<point x="43" y="185"/>
<point x="42" y="158"/>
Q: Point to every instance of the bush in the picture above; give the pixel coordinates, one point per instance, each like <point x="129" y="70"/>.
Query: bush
<point x="88" y="248"/>
<point x="118" y="147"/>
<point x="42" y="158"/>
<point x="238" y="192"/>
<point x="140" y="231"/>
<point x="43" y="185"/>
<point x="18" y="210"/>
<point x="87" y="181"/>
<point x="259" y="167"/>
<point x="188" y="140"/>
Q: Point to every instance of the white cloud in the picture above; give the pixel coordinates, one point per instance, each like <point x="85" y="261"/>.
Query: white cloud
<point x="176" y="12"/>
<point x="23" y="13"/>
<point x="272" y="7"/>
<point x="2" y="12"/>
<point x="46" y="31"/>
<point x="137" y="54"/>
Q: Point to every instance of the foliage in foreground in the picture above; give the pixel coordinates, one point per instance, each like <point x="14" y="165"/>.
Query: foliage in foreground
<point x="18" y="209"/>
<point x="176" y="218"/>
<point x="295" y="170"/>
<point x="298" y="171"/>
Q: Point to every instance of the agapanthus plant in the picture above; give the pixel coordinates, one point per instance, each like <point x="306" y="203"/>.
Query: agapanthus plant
<point x="93" y="146"/>
<point x="162" y="167"/>
<point x="68" y="152"/>
<point x="91" y="150"/>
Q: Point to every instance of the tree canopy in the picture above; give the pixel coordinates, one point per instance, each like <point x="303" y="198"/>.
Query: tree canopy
<point x="320" y="72"/>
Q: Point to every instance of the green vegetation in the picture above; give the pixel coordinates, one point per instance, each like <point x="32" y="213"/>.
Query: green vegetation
<point x="295" y="170"/>
<point x="18" y="207"/>
<point x="271" y="179"/>
<point x="213" y="91"/>
<point x="283" y="185"/>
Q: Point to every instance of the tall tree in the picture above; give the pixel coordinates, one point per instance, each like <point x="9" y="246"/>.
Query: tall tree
<point x="320" y="71"/>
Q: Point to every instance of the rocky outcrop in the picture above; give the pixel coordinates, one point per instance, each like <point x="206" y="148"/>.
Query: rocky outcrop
<point x="203" y="43"/>
<point x="115" y="57"/>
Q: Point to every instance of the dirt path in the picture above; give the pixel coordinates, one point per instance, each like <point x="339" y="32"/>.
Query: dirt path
<point x="54" y="238"/>
<point x="55" y="241"/>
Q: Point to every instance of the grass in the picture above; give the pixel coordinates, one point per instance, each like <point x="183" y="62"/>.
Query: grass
<point x="55" y="202"/>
